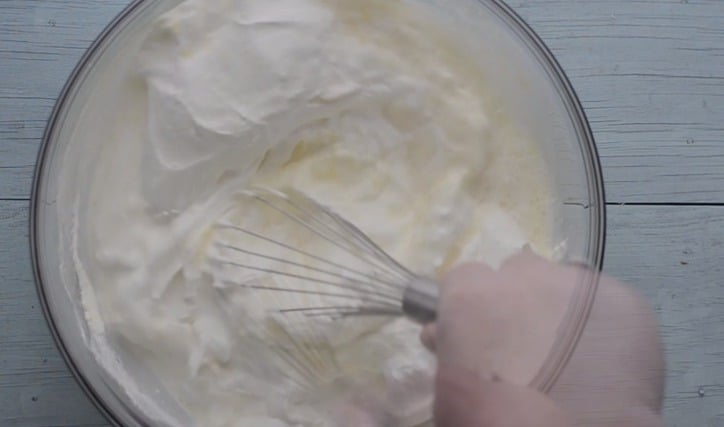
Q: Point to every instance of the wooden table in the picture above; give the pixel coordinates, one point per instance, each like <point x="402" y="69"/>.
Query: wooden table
<point x="650" y="74"/>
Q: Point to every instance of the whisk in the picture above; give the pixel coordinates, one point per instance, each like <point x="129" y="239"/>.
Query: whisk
<point x="345" y="273"/>
<point x="310" y="267"/>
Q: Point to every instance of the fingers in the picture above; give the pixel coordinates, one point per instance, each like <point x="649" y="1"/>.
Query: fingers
<point x="465" y="275"/>
<point x="501" y="322"/>
<point x="462" y="331"/>
<point x="427" y="336"/>
<point x="504" y="324"/>
<point x="463" y="400"/>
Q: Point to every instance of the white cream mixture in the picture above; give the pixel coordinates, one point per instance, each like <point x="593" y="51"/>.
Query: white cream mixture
<point x="367" y="107"/>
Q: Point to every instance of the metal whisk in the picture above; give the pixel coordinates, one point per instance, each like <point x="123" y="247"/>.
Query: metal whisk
<point x="265" y="235"/>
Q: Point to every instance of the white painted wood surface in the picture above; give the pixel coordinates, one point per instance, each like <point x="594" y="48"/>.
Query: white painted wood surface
<point x="651" y="76"/>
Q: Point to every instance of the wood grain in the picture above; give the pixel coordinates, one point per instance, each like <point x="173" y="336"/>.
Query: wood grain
<point x="650" y="74"/>
<point x="674" y="256"/>
<point x="40" y="43"/>
<point x="36" y="388"/>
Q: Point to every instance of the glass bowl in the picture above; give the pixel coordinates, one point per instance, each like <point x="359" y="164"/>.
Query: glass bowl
<point x="535" y="87"/>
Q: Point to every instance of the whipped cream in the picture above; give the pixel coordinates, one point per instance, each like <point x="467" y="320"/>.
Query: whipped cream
<point x="367" y="107"/>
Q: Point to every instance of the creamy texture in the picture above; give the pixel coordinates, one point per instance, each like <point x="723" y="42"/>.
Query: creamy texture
<point x="366" y="107"/>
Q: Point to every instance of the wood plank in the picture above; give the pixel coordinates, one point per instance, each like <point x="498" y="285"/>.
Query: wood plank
<point x="40" y="43"/>
<point x="673" y="254"/>
<point x="36" y="387"/>
<point x="650" y="75"/>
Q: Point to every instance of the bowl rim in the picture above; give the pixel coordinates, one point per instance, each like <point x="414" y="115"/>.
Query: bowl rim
<point x="555" y="362"/>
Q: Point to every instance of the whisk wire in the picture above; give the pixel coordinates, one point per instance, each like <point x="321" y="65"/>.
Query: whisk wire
<point x="347" y="262"/>
<point x="344" y="311"/>
<point x="352" y="232"/>
<point x="312" y="292"/>
<point x="313" y="355"/>
<point x="295" y="250"/>
<point x="356" y="234"/>
<point x="342" y="285"/>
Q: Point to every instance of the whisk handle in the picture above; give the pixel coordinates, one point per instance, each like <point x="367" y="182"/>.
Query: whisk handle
<point x="419" y="301"/>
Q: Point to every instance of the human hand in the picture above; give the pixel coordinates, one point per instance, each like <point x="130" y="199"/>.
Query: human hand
<point x="501" y="325"/>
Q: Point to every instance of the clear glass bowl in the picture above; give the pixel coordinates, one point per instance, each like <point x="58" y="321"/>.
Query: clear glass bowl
<point x="538" y="92"/>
